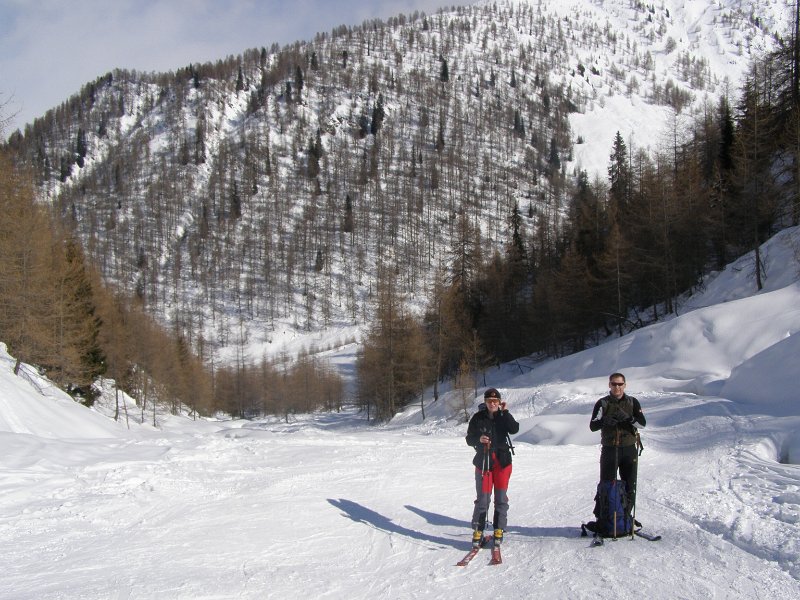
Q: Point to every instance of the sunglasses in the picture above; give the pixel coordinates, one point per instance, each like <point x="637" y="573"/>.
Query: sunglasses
<point x="492" y="400"/>
<point x="616" y="384"/>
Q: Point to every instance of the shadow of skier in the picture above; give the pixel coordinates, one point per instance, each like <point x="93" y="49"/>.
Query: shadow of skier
<point x="362" y="514"/>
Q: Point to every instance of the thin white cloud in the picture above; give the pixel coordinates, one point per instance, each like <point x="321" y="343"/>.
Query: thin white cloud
<point x="50" y="48"/>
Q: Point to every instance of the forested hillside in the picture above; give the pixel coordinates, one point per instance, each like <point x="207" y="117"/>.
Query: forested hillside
<point x="418" y="179"/>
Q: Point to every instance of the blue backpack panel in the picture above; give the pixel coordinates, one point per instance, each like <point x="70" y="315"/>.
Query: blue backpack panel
<point x="611" y="509"/>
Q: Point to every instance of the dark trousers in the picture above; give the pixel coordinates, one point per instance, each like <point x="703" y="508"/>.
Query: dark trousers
<point x="626" y="460"/>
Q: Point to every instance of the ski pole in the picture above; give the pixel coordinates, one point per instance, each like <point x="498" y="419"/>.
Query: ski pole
<point x="635" y="486"/>
<point x="510" y="445"/>
<point x="484" y="476"/>
<point x="616" y="468"/>
<point x="633" y="517"/>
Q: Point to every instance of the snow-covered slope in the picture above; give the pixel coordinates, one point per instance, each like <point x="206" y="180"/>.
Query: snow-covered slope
<point x="32" y="405"/>
<point x="328" y="506"/>
<point x="634" y="54"/>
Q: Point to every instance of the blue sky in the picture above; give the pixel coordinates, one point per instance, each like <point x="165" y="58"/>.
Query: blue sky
<point x="50" y="48"/>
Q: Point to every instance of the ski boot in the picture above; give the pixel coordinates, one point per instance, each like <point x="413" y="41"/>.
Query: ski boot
<point x="498" y="537"/>
<point x="477" y="538"/>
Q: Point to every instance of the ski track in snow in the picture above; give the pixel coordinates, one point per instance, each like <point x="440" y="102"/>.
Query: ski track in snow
<point x="329" y="508"/>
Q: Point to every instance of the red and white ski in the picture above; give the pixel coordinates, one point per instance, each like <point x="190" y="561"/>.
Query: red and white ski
<point x="497" y="558"/>
<point x="474" y="552"/>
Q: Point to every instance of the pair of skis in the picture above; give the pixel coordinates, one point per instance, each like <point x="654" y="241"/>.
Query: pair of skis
<point x="487" y="540"/>
<point x="497" y="557"/>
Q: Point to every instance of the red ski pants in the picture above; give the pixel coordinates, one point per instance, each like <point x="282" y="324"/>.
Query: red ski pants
<point x="496" y="478"/>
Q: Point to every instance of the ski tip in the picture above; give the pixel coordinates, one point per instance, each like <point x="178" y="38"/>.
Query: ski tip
<point x="485" y="542"/>
<point x="466" y="560"/>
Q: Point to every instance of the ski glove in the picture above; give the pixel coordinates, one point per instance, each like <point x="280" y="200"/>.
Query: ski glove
<point x="622" y="422"/>
<point x="610" y="421"/>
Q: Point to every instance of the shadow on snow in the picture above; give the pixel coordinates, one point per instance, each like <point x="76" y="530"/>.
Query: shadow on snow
<point x="362" y="514"/>
<point x="533" y="532"/>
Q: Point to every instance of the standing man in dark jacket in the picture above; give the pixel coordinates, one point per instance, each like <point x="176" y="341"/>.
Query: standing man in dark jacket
<point x="488" y="432"/>
<point x="614" y="415"/>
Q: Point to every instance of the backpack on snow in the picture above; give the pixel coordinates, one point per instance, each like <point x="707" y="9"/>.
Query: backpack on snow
<point x="611" y="510"/>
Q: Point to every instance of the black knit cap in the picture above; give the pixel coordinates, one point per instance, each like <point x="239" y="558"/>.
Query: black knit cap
<point x="491" y="393"/>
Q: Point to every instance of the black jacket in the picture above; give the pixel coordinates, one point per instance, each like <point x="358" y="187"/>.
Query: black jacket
<point x="626" y="411"/>
<point x="498" y="429"/>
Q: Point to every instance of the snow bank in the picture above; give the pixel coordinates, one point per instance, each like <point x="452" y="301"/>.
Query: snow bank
<point x="31" y="404"/>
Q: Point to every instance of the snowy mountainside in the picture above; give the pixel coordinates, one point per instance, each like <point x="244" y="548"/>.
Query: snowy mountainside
<point x="218" y="194"/>
<point x="692" y="51"/>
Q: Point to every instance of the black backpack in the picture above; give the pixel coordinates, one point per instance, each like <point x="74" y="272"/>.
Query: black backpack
<point x="611" y="510"/>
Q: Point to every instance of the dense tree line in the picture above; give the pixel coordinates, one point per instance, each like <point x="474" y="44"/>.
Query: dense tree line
<point x="286" y="387"/>
<point x="56" y="314"/>
<point x="47" y="309"/>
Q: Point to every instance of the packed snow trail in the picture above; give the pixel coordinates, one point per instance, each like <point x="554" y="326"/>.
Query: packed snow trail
<point x="328" y="507"/>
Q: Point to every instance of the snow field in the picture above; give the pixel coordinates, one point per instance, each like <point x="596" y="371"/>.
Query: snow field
<point x="292" y="512"/>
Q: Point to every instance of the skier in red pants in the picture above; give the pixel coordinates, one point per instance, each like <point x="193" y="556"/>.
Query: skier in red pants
<point x="488" y="432"/>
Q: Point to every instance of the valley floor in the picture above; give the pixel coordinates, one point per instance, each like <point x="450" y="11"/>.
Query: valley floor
<point x="328" y="507"/>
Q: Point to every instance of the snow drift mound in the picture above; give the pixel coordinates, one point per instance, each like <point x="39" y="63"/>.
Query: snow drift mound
<point x="30" y="404"/>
